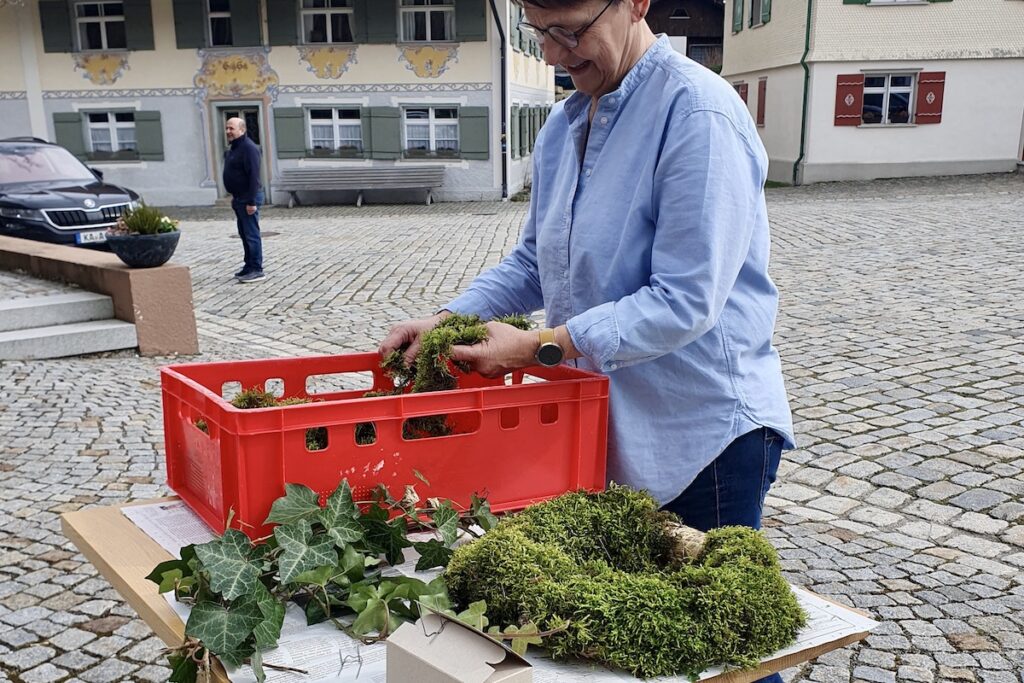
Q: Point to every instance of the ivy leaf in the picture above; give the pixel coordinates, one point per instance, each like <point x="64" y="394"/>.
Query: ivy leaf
<point x="299" y="502"/>
<point x="387" y="538"/>
<point x="446" y="519"/>
<point x="314" y="613"/>
<point x="353" y="564"/>
<point x="433" y="553"/>
<point x="184" y="669"/>
<point x="271" y="611"/>
<point x="524" y="636"/>
<point x="302" y="551"/>
<point x="227" y="559"/>
<point x="372" y="619"/>
<point x="256" y="662"/>
<point x="475" y="615"/>
<point x="480" y="512"/>
<point x="166" y="573"/>
<point x="222" y="630"/>
<point x="317" y="577"/>
<point x="341" y="516"/>
<point x="436" y="601"/>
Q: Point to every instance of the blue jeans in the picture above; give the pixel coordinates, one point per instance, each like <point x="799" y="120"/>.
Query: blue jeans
<point x="731" y="490"/>
<point x="249" y="231"/>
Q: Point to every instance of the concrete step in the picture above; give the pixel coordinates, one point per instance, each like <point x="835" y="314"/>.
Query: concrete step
<point x="72" y="339"/>
<point x="54" y="309"/>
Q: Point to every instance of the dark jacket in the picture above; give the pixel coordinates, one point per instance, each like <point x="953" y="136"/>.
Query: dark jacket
<point x="242" y="170"/>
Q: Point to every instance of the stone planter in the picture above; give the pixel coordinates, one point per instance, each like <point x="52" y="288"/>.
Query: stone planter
<point x="144" y="251"/>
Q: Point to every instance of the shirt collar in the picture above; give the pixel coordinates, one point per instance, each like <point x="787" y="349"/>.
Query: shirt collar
<point x="578" y="102"/>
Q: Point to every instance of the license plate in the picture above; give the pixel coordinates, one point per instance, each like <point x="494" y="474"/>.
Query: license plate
<point x="91" y="237"/>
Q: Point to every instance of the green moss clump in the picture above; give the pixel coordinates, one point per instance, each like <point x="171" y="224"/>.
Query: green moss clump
<point x="254" y="397"/>
<point x="600" y="566"/>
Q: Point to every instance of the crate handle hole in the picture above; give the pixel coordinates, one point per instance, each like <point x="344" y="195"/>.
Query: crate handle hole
<point x="274" y="386"/>
<point x="229" y="390"/>
<point x="366" y="433"/>
<point x="549" y="413"/>
<point x="202" y="425"/>
<point x="333" y="383"/>
<point x="316" y="439"/>
<point x="509" y="418"/>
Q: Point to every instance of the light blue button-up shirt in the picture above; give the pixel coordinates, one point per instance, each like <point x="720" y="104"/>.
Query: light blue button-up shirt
<point x="647" y="236"/>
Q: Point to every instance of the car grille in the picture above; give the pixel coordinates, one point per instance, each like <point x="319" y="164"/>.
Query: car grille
<point x="102" y="217"/>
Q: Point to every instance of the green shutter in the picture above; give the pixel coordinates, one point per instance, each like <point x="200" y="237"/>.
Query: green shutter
<point x="283" y="22"/>
<point x="380" y="20"/>
<point x="56" y="23"/>
<point x="524" y="132"/>
<point x="189" y="23"/>
<point x="474" y="133"/>
<point x="138" y="24"/>
<point x="766" y="11"/>
<point x="385" y="133"/>
<point x="246" y="28"/>
<point x="514" y="144"/>
<point x="149" y="136"/>
<point x="737" y="16"/>
<point x="470" y="20"/>
<point x="365" y="125"/>
<point x="68" y="133"/>
<point x="290" y="132"/>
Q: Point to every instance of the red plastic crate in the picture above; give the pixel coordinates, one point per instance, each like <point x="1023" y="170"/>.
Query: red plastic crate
<point x="515" y="444"/>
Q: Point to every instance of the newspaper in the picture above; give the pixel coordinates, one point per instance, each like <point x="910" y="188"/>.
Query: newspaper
<point x="327" y="655"/>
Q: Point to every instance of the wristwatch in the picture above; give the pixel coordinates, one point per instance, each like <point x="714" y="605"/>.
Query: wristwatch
<point x="550" y="353"/>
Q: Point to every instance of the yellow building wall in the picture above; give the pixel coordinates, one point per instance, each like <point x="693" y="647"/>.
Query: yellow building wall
<point x="12" y="70"/>
<point x="529" y="71"/>
<point x="780" y="42"/>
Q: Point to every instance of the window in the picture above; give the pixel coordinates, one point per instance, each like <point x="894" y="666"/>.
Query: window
<point x="100" y="25"/>
<point x="335" y="131"/>
<point x="431" y="131"/>
<point x="427" y="20"/>
<point x="755" y="12"/>
<point x="220" y="22"/>
<point x="679" y="13"/>
<point x="887" y="98"/>
<point x="111" y="134"/>
<point x="327" y="21"/>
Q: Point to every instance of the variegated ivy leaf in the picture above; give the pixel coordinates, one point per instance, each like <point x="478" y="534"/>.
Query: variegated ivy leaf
<point x="446" y="520"/>
<point x="480" y="512"/>
<point x="433" y="553"/>
<point x="222" y="630"/>
<point x="302" y="550"/>
<point x="228" y="560"/>
<point x="299" y="502"/>
<point x="272" y="612"/>
<point x="341" y="516"/>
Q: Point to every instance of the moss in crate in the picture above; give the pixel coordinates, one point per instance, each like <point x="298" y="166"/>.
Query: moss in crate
<point x="201" y="425"/>
<point x="600" y="567"/>
<point x="254" y="397"/>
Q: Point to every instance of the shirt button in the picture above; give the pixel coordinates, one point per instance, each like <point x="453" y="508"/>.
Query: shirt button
<point x="612" y="366"/>
<point x="604" y="120"/>
<point x="588" y="172"/>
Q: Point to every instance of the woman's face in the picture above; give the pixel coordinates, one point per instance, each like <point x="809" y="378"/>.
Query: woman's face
<point x="600" y="61"/>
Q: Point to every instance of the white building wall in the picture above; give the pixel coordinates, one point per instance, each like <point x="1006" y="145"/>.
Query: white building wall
<point x="780" y="133"/>
<point x="980" y="130"/>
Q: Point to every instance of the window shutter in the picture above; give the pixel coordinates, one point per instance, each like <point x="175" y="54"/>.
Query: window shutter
<point x="470" y="20"/>
<point x="766" y="11"/>
<point x="474" y="133"/>
<point x="514" y="35"/>
<point x="55" y="18"/>
<point x="380" y="21"/>
<point x="515" y="132"/>
<point x="138" y="24"/>
<point x="762" y="87"/>
<point x="290" y="132"/>
<point x="385" y="133"/>
<point x="189" y="24"/>
<point x="524" y="132"/>
<point x="931" y="86"/>
<point x="283" y="22"/>
<point x="68" y="133"/>
<point x="849" y="99"/>
<point x="366" y="125"/>
<point x="534" y="126"/>
<point x="246" y="28"/>
<point x="149" y="136"/>
<point x="737" y="16"/>
<point x="741" y="90"/>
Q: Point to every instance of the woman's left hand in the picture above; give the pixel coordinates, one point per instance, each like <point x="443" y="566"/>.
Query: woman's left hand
<point x="506" y="349"/>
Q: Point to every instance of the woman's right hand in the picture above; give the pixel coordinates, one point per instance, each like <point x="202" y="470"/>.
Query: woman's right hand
<point x="409" y="332"/>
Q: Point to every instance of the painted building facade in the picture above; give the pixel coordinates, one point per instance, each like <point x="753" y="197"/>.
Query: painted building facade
<point x="860" y="89"/>
<point x="141" y="89"/>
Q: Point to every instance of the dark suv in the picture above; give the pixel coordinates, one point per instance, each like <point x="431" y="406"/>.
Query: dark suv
<point x="47" y="194"/>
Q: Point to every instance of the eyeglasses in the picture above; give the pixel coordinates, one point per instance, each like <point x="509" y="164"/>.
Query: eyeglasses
<point x="560" y="35"/>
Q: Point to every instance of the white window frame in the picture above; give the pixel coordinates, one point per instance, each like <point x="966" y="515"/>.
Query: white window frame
<point x="328" y="11"/>
<point x="210" y="16"/>
<point x="102" y="20"/>
<point x="448" y="7"/>
<point x="432" y="124"/>
<point x="888" y="89"/>
<point x="112" y="126"/>
<point x="336" y="123"/>
<point x="755" y="13"/>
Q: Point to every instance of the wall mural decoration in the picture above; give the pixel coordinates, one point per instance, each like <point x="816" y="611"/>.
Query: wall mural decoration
<point x="428" y="61"/>
<point x="99" y="67"/>
<point x="236" y="74"/>
<point x="327" y="62"/>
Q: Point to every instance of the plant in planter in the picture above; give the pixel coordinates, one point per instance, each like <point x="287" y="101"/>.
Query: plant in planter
<point x="143" y="237"/>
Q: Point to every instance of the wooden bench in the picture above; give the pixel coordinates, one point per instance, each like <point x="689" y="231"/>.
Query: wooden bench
<point x="414" y="177"/>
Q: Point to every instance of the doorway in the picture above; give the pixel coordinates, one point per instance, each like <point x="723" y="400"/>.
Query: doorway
<point x="252" y="114"/>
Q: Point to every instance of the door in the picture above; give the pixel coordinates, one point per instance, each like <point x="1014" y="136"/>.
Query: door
<point x="252" y="115"/>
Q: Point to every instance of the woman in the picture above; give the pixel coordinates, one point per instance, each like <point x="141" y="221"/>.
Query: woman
<point x="646" y="243"/>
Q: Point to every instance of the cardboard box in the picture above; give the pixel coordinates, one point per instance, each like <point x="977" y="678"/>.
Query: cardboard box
<point x="437" y="649"/>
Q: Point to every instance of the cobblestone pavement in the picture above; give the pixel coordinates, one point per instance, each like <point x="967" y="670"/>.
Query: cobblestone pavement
<point x="900" y="332"/>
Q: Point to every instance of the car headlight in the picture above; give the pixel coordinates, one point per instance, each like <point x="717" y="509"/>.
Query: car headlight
<point x="134" y="204"/>
<point x="22" y="214"/>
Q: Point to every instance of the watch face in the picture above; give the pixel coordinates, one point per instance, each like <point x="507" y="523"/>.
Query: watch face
<point x="549" y="354"/>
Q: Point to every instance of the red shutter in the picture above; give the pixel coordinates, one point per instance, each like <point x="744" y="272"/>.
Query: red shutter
<point x="741" y="88"/>
<point x="849" y="99"/>
<point x="762" y="86"/>
<point x="930" y="87"/>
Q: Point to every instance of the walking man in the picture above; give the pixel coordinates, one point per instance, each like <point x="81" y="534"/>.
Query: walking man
<point x="242" y="180"/>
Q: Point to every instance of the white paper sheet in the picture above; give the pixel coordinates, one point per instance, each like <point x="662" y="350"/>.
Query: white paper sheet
<point x="172" y="524"/>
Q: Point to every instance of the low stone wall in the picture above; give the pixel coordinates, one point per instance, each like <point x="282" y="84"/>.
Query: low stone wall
<point x="157" y="300"/>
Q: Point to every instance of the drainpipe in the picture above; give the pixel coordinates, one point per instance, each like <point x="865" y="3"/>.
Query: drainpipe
<point x="807" y="82"/>
<point x="504" y="104"/>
